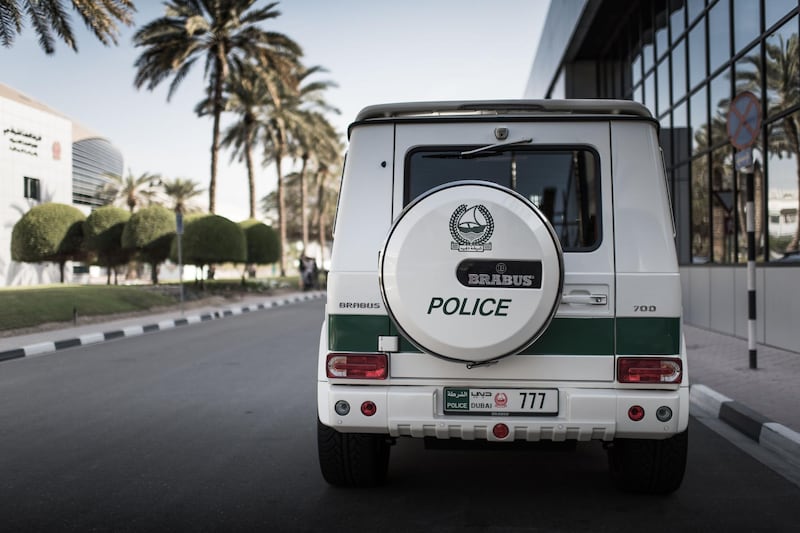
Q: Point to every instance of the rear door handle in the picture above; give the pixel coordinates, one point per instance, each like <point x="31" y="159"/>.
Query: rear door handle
<point x="586" y="299"/>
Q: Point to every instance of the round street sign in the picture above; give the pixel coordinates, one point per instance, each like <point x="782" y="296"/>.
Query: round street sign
<point x="744" y="120"/>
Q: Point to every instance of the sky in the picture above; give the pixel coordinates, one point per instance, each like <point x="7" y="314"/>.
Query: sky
<point x="376" y="51"/>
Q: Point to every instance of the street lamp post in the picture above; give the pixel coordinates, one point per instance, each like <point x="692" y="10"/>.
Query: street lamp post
<point x="179" y="234"/>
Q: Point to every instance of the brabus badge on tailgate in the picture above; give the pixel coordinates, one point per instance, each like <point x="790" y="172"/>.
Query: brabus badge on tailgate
<point x="471" y="228"/>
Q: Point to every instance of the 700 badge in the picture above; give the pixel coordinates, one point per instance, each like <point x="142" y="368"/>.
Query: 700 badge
<point x="459" y="400"/>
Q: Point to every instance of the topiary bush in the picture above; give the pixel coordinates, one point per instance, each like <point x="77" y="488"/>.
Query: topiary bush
<point x="149" y="232"/>
<point x="102" y="231"/>
<point x="49" y="232"/>
<point x="263" y="243"/>
<point x="210" y="239"/>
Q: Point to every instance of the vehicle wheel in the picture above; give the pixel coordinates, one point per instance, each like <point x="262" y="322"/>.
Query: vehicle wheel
<point x="649" y="466"/>
<point x="352" y="459"/>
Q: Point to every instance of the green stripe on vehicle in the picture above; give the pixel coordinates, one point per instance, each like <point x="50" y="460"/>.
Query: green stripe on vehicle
<point x="564" y="336"/>
<point x="648" y="336"/>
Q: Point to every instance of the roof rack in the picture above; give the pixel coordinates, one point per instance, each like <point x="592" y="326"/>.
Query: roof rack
<point x="505" y="107"/>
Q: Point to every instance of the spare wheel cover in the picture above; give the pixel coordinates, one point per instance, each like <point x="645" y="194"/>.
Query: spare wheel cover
<point x="471" y="271"/>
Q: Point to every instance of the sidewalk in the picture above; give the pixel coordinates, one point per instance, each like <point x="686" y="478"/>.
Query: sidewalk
<point x="762" y="403"/>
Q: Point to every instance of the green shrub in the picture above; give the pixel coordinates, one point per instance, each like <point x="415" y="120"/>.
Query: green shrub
<point x="102" y="234"/>
<point x="211" y="239"/>
<point x="263" y="243"/>
<point x="49" y="232"/>
<point x="150" y="232"/>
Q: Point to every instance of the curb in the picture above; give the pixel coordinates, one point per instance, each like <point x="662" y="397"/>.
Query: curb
<point x="133" y="331"/>
<point x="772" y="436"/>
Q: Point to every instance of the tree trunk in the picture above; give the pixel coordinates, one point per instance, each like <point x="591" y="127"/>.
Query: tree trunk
<point x="219" y="77"/>
<point x="281" y="208"/>
<point x="303" y="215"/>
<point x="321" y="219"/>
<point x="154" y="273"/>
<point x="108" y="275"/>
<point x="251" y="179"/>
<point x="61" y="270"/>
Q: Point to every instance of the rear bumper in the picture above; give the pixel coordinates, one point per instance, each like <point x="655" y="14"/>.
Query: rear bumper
<point x="584" y="414"/>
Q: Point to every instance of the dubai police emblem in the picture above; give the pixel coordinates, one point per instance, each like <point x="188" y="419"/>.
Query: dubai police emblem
<point x="471" y="228"/>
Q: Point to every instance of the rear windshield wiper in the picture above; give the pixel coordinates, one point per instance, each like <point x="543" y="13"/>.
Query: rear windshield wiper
<point x="499" y="147"/>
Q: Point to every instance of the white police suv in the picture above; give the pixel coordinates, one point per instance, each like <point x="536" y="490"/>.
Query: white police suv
<point x="504" y="272"/>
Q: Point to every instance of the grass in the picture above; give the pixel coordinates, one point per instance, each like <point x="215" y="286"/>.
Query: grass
<point x="23" y="307"/>
<point x="31" y="306"/>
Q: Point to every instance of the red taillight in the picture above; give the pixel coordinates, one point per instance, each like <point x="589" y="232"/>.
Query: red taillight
<point x="649" y="370"/>
<point x="357" y="366"/>
<point x="500" y="431"/>
<point x="636" y="413"/>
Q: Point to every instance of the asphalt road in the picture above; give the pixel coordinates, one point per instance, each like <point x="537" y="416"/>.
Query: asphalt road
<point x="212" y="428"/>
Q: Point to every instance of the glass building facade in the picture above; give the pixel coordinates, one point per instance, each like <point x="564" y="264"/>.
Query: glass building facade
<point x="93" y="159"/>
<point x="685" y="60"/>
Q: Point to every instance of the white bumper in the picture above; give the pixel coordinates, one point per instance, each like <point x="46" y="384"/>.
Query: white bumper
<point x="584" y="414"/>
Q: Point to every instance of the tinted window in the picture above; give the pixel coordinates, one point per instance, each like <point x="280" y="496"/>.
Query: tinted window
<point x="563" y="184"/>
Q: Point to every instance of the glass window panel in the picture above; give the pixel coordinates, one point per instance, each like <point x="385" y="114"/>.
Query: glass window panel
<point x="699" y="121"/>
<point x="695" y="7"/>
<point x="638" y="95"/>
<point x="701" y="219"/>
<point x="723" y="230"/>
<point x="783" y="84"/>
<point x="681" y="134"/>
<point x="665" y="139"/>
<point x="679" y="71"/>
<point x="663" y="86"/>
<point x="783" y="197"/>
<point x="774" y="10"/>
<point x="746" y="25"/>
<point x="650" y="93"/>
<point x="719" y="35"/>
<point x="636" y="68"/>
<point x="677" y="18"/>
<point x="697" y="54"/>
<point x="747" y="73"/>
<point x="681" y="199"/>
<point x="647" y="51"/>
<point x="720" y="103"/>
<point x="662" y="34"/>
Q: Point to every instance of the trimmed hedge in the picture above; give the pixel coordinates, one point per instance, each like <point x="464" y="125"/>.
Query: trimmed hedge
<point x="150" y="232"/>
<point x="49" y="232"/>
<point x="263" y="242"/>
<point x="211" y="239"/>
<point x="102" y="232"/>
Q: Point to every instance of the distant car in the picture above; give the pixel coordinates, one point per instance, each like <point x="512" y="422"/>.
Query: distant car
<point x="789" y="257"/>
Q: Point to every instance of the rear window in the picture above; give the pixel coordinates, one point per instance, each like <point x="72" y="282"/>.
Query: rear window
<point x="563" y="183"/>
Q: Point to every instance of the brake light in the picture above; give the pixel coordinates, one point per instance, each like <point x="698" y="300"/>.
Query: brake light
<point x="649" y="370"/>
<point x="357" y="366"/>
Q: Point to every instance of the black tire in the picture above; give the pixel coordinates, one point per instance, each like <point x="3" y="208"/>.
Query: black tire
<point x="649" y="466"/>
<point x="352" y="459"/>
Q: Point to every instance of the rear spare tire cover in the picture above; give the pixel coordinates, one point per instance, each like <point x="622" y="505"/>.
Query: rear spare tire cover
<point x="471" y="271"/>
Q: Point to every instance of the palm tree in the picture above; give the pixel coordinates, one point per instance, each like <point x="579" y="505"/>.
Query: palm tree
<point x="131" y="190"/>
<point x="181" y="190"/>
<point x="51" y="17"/>
<point x="225" y="34"/>
<point x="291" y="117"/>
<point x="247" y="94"/>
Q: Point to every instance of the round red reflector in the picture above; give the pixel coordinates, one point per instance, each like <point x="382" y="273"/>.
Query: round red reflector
<point x="500" y="431"/>
<point x="368" y="408"/>
<point x="636" y="413"/>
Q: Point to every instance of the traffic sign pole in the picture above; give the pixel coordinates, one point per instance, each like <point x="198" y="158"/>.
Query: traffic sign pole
<point x="744" y="125"/>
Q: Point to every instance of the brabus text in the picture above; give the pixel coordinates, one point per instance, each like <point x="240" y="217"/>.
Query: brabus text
<point x="500" y="280"/>
<point x="470" y="306"/>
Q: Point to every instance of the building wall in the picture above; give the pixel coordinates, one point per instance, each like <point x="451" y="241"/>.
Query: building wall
<point x="685" y="60"/>
<point x="33" y="144"/>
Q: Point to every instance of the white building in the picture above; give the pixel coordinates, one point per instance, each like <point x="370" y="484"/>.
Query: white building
<point x="44" y="157"/>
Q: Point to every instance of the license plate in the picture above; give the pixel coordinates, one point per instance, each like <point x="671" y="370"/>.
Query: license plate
<point x="459" y="401"/>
